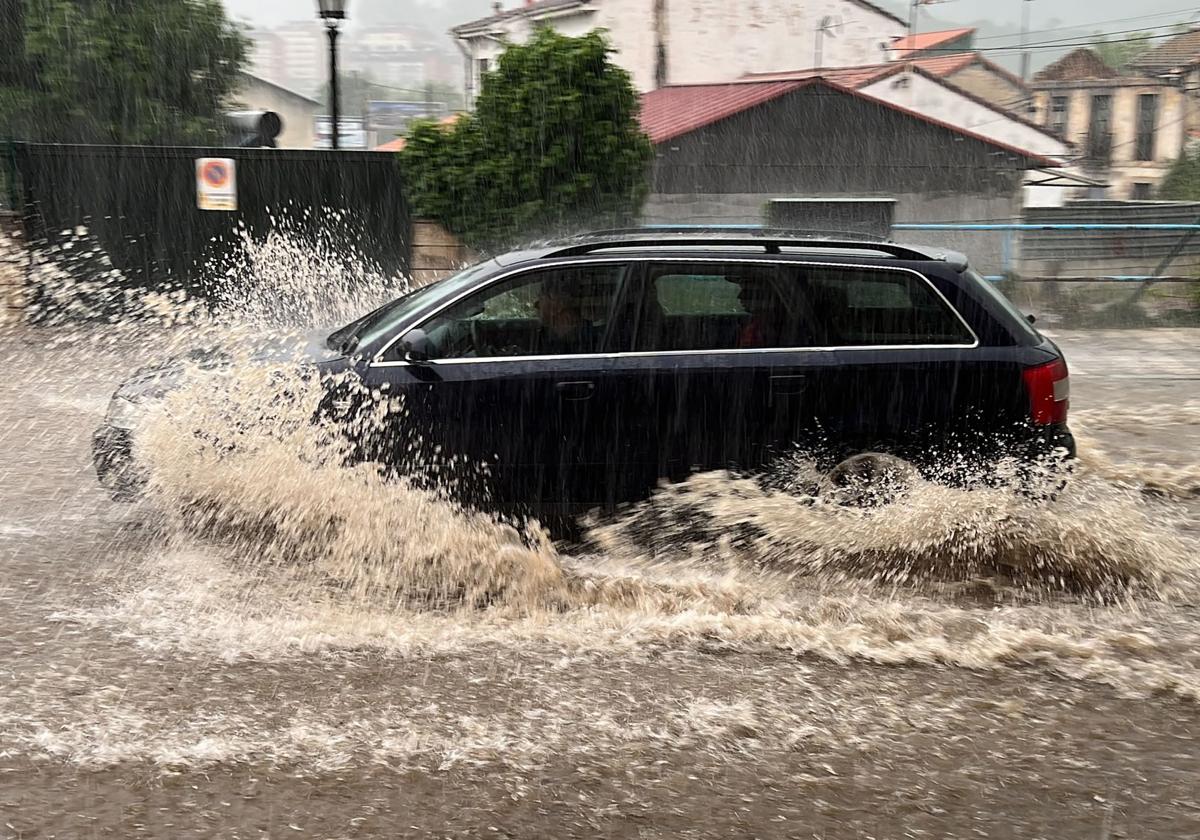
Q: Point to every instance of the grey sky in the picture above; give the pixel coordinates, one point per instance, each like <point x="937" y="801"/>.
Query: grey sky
<point x="998" y="21"/>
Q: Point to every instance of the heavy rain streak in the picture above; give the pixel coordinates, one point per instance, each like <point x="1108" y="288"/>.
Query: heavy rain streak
<point x="595" y="419"/>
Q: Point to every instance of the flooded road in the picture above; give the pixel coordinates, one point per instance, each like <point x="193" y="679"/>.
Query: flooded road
<point x="812" y="680"/>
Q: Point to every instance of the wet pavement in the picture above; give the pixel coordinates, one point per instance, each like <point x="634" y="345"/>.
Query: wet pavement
<point x="152" y="684"/>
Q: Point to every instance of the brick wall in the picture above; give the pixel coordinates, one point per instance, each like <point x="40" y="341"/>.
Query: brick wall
<point x="436" y="252"/>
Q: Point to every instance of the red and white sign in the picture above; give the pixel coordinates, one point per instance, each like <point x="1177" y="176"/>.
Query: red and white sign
<point x="216" y="184"/>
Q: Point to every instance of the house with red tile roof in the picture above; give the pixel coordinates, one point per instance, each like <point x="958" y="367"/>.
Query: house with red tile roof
<point x="693" y="41"/>
<point x="738" y="152"/>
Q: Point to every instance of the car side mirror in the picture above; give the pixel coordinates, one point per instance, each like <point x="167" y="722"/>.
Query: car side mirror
<point x="1031" y="318"/>
<point x="418" y="349"/>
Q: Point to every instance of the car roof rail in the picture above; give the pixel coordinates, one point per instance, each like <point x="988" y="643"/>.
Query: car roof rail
<point x="743" y="229"/>
<point x="771" y="243"/>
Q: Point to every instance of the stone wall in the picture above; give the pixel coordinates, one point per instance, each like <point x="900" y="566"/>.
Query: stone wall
<point x="436" y="252"/>
<point x="14" y="263"/>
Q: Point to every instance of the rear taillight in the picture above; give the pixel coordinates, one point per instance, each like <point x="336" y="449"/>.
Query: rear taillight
<point x="1049" y="392"/>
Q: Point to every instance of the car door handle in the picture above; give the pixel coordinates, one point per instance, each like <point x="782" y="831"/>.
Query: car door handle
<point x="575" y="390"/>
<point x="788" y="384"/>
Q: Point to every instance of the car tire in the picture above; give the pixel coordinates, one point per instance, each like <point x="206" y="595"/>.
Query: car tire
<point x="868" y="479"/>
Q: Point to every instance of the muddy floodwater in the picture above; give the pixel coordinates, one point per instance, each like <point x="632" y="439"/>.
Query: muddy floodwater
<point x="723" y="662"/>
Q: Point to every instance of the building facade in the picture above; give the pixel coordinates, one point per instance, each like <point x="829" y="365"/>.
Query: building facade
<point x="697" y="41"/>
<point x="1127" y="128"/>
<point x="303" y="55"/>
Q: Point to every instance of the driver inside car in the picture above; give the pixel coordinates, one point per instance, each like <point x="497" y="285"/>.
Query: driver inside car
<point x="564" y="329"/>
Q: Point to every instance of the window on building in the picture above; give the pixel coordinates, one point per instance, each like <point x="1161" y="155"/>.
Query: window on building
<point x="1147" y="118"/>
<point x="1099" y="141"/>
<point x="1140" y="191"/>
<point x="1059" y="106"/>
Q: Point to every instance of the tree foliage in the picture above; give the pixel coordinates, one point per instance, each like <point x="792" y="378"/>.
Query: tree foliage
<point x="1119" y="52"/>
<point x="121" y="71"/>
<point x="1182" y="181"/>
<point x="553" y="144"/>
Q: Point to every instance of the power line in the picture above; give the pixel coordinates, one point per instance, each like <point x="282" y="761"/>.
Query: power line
<point x="1055" y="45"/>
<point x="1077" y="27"/>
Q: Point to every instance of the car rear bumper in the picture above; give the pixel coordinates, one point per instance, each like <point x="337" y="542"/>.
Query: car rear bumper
<point x="112" y="456"/>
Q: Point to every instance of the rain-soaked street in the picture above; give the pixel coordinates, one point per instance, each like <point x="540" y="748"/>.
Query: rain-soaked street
<point x="159" y="684"/>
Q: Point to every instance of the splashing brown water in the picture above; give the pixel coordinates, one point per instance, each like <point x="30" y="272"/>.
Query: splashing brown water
<point x="272" y="547"/>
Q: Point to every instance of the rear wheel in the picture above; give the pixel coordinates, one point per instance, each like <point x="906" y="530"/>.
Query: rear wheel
<point x="869" y="479"/>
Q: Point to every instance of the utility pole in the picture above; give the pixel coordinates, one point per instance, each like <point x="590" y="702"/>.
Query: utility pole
<point x="1024" y="32"/>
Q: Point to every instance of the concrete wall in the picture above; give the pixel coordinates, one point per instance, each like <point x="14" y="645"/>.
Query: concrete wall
<point x="1123" y="171"/>
<point x="710" y="40"/>
<point x="991" y="252"/>
<point x="296" y="111"/>
<point x="933" y="99"/>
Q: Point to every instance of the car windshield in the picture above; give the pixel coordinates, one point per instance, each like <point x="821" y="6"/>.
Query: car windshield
<point x="379" y="322"/>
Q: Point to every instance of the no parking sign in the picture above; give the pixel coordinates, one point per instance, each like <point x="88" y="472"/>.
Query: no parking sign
<point x="216" y="184"/>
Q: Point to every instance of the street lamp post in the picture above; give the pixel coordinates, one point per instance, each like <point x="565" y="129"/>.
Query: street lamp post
<point x="333" y="12"/>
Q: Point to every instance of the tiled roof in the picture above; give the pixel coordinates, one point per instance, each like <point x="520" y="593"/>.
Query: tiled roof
<point x="947" y="65"/>
<point x="937" y="69"/>
<point x="1076" y="65"/>
<point x="857" y="77"/>
<point x="944" y="65"/>
<point x="928" y="40"/>
<point x="674" y="111"/>
<point x="391" y="145"/>
<point x="851" y="77"/>
<point x="1170" y="54"/>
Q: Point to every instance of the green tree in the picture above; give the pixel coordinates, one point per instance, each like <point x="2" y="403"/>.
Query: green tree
<point x="1182" y="181"/>
<point x="553" y="144"/>
<point x="1118" y="53"/>
<point x="122" y="71"/>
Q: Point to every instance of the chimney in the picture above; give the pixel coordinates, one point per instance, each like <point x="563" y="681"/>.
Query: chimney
<point x="497" y="7"/>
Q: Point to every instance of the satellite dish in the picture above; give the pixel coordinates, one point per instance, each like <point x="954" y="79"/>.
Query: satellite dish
<point x="831" y="26"/>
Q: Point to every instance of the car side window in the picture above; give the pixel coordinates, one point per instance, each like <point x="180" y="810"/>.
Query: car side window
<point x="861" y="306"/>
<point x="713" y="306"/>
<point x="563" y="310"/>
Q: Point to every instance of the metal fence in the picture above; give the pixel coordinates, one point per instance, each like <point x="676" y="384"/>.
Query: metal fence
<point x="1083" y="271"/>
<point x="139" y="205"/>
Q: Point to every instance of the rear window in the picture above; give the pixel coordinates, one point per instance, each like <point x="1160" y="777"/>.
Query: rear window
<point x="1020" y="322"/>
<point x="864" y="307"/>
<point x="762" y="306"/>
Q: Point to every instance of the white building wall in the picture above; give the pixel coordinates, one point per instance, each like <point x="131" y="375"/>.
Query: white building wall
<point x="718" y="41"/>
<point x="711" y="41"/>
<point x="932" y="99"/>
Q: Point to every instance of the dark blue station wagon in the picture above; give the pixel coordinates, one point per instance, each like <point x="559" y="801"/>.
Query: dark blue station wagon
<point x="583" y="374"/>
